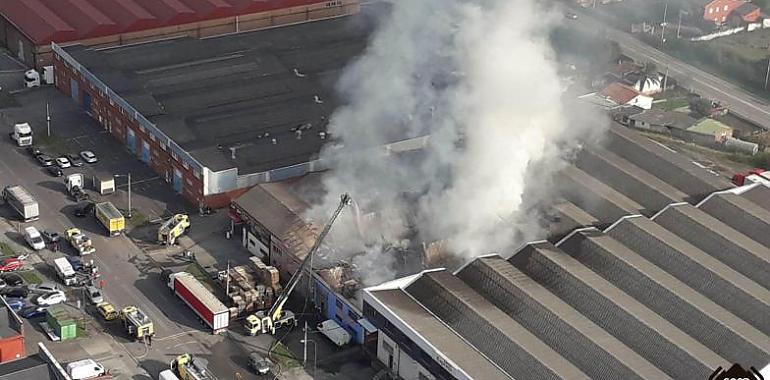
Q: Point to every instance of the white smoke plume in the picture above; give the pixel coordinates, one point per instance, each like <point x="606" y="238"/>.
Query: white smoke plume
<point x="480" y="78"/>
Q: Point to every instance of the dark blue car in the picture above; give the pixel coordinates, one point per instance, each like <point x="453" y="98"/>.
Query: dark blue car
<point x="33" y="312"/>
<point x="16" y="303"/>
<point x="77" y="264"/>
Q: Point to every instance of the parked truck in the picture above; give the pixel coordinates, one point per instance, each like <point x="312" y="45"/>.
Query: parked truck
<point x="334" y="332"/>
<point x="74" y="185"/>
<point x="64" y="271"/>
<point x="32" y="77"/>
<point x="207" y="306"/>
<point x="189" y="367"/>
<point x="22" y="201"/>
<point x="138" y="325"/>
<point x="80" y="241"/>
<point x="22" y="134"/>
<point x="109" y="216"/>
<point x="104" y="183"/>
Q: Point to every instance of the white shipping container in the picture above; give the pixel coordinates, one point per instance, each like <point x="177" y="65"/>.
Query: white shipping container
<point x="334" y="332"/>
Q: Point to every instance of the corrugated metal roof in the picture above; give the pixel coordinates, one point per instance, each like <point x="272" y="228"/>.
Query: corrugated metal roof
<point x="71" y="20"/>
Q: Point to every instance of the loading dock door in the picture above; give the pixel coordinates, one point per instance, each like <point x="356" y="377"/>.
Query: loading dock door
<point x="87" y="101"/>
<point x="146" y="152"/>
<point x="131" y="140"/>
<point x="177" y="181"/>
<point x="74" y="90"/>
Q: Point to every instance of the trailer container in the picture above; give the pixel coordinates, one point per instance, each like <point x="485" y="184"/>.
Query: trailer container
<point x="22" y="201"/>
<point x="207" y="306"/>
<point x="110" y="217"/>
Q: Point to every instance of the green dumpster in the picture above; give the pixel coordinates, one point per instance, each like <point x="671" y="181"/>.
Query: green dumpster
<point x="62" y="323"/>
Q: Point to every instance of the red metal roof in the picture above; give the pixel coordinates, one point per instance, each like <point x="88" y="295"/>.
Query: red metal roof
<point x="619" y="93"/>
<point x="44" y="21"/>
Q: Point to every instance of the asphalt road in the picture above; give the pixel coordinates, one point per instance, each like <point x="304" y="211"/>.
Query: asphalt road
<point x="738" y="100"/>
<point x="131" y="278"/>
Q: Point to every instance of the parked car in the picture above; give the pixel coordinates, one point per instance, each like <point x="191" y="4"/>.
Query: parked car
<point x="259" y="363"/>
<point x="3" y="284"/>
<point x="33" y="312"/>
<point x="107" y="311"/>
<point x="75" y="160"/>
<point x="10" y="265"/>
<point x="52" y="298"/>
<point x="76" y="263"/>
<point x="570" y="15"/>
<point x="88" y="156"/>
<point x="16" y="291"/>
<point x="33" y="237"/>
<point x="51" y="236"/>
<point x="55" y="171"/>
<point x="45" y="287"/>
<point x="44" y="159"/>
<point x="84" y="209"/>
<point x="11" y="279"/>
<point x="94" y="295"/>
<point x="33" y="151"/>
<point x="63" y="162"/>
<point x="16" y="304"/>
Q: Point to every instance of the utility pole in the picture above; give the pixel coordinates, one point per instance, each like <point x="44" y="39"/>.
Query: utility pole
<point x="665" y="80"/>
<point x="767" y="75"/>
<point x="227" y="280"/>
<point x="679" y="25"/>
<point x="663" y="25"/>
<point x="48" y="118"/>
<point x="304" y="347"/>
<point x="129" y="195"/>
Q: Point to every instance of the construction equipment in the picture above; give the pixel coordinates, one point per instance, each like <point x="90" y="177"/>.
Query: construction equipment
<point x="268" y="321"/>
<point x="173" y="228"/>
<point x="74" y="184"/>
<point x="79" y="241"/>
<point x="109" y="216"/>
<point x="188" y="367"/>
<point x="136" y="322"/>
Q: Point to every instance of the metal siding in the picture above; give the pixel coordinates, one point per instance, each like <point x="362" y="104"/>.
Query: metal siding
<point x="74" y="90"/>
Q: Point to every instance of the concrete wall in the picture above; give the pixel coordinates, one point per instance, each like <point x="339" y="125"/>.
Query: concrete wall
<point x="42" y="55"/>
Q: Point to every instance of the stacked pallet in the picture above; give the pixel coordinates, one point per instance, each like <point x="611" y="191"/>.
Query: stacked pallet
<point x="252" y="287"/>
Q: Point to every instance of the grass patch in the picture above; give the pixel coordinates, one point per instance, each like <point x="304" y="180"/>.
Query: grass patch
<point x="672" y="104"/>
<point x="6" y="250"/>
<point x="138" y="219"/>
<point x="31" y="276"/>
<point x="283" y="356"/>
<point x="198" y="272"/>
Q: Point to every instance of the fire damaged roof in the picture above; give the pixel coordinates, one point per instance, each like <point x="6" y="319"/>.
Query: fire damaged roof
<point x="672" y="296"/>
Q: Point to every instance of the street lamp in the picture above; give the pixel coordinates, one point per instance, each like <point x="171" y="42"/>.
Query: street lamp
<point x="315" y="352"/>
<point x="129" y="191"/>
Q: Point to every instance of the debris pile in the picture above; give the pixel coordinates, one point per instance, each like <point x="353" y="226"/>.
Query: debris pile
<point x="252" y="287"/>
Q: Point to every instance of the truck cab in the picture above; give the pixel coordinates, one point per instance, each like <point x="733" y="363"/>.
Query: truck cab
<point x="22" y="134"/>
<point x="32" y="77"/>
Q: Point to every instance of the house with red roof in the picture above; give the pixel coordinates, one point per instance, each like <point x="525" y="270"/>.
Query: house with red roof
<point x="623" y="95"/>
<point x="736" y="12"/>
<point x="27" y="27"/>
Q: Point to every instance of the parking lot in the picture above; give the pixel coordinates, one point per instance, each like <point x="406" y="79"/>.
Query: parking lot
<point x="129" y="266"/>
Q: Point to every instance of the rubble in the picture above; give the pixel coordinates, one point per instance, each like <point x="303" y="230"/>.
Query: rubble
<point x="253" y="287"/>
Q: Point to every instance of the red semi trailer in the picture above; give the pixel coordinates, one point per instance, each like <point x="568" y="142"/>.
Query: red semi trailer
<point x="205" y="304"/>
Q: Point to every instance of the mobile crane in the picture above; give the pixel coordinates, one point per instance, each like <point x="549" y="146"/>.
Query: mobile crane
<point x="268" y="321"/>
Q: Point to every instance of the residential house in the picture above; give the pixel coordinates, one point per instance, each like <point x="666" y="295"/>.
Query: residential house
<point x="715" y="130"/>
<point x="622" y="95"/>
<point x="661" y="121"/>
<point x="718" y="11"/>
<point x="623" y="114"/>
<point x="649" y="85"/>
<point x="745" y="14"/>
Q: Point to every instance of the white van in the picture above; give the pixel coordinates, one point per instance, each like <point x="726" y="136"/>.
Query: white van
<point x="167" y="375"/>
<point x="34" y="238"/>
<point x="64" y="271"/>
<point x="85" y="369"/>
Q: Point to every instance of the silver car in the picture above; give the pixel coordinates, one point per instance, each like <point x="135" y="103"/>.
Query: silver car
<point x="43" y="288"/>
<point x="94" y="295"/>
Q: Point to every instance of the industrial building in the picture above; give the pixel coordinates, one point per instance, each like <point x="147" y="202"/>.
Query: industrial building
<point x="672" y="296"/>
<point x="268" y="217"/>
<point x="11" y="334"/>
<point x="27" y="27"/>
<point x="40" y="366"/>
<point x="216" y="116"/>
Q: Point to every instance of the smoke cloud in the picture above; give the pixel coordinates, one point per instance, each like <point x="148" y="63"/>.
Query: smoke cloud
<point x="480" y="79"/>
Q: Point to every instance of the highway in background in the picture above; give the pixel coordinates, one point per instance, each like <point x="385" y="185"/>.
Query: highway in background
<point x="738" y="100"/>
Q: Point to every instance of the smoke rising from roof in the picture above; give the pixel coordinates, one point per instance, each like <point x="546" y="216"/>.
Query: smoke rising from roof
<point x="479" y="77"/>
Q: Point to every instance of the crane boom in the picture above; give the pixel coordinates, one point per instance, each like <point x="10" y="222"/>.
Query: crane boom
<point x="275" y="311"/>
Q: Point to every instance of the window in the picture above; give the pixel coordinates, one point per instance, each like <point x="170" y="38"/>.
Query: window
<point x="184" y="165"/>
<point x="174" y="156"/>
<point x="725" y="9"/>
<point x="339" y="303"/>
<point x="152" y="137"/>
<point x="196" y="174"/>
<point x="723" y="18"/>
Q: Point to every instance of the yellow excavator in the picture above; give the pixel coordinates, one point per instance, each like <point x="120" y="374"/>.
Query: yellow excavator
<point x="267" y="321"/>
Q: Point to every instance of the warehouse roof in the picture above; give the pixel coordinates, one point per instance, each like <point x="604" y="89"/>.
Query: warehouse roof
<point x="256" y="101"/>
<point x="627" y="302"/>
<point x="71" y="20"/>
<point x="31" y="367"/>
